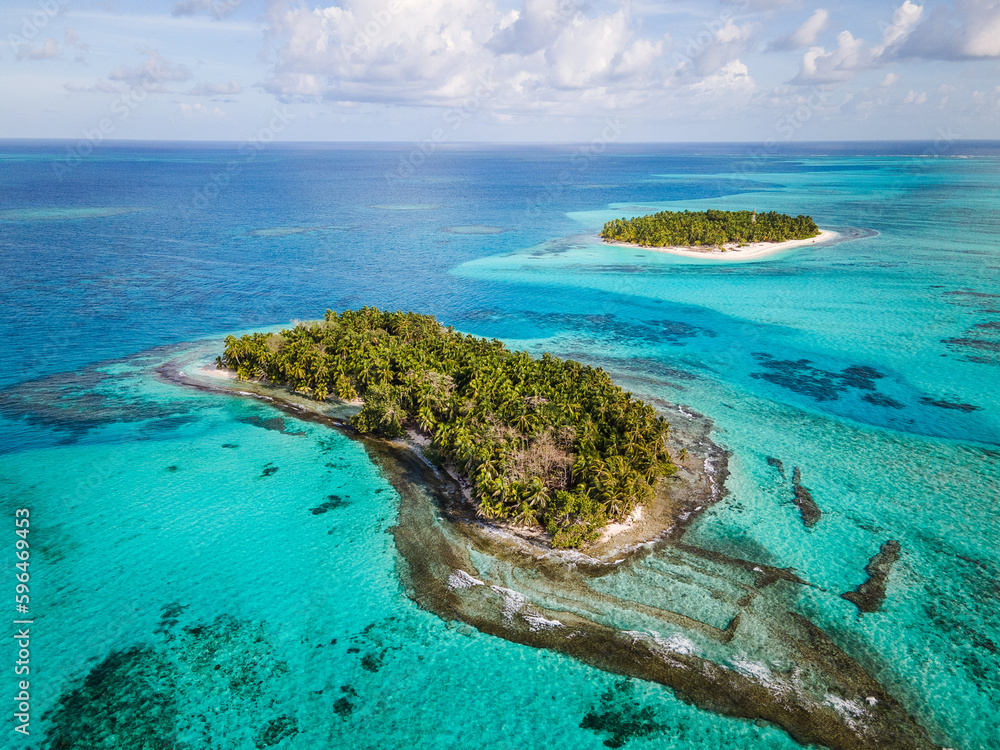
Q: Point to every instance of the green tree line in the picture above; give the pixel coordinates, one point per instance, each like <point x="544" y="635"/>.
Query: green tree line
<point x="544" y="441"/>
<point x="681" y="228"/>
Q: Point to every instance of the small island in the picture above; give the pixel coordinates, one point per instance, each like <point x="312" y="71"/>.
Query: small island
<point x="701" y="233"/>
<point x="545" y="452"/>
<point x="541" y="442"/>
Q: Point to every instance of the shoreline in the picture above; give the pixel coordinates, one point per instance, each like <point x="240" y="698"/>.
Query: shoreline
<point x="732" y="251"/>
<point x="678" y="501"/>
<point x="466" y="571"/>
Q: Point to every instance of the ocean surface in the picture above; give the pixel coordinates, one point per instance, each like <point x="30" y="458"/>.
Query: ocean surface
<point x="184" y="593"/>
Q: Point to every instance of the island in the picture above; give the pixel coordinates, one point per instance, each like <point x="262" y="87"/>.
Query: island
<point x="540" y="442"/>
<point x="712" y="232"/>
<point x="498" y="459"/>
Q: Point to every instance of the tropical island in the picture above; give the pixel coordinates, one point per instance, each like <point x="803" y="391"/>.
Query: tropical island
<point x="541" y="442"/>
<point x="702" y="232"/>
<point x="555" y="443"/>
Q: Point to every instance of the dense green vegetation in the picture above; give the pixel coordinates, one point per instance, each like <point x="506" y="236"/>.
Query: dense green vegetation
<point x="541" y="441"/>
<point x="673" y="228"/>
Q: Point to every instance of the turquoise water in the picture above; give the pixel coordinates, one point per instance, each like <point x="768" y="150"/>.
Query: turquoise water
<point x="174" y="531"/>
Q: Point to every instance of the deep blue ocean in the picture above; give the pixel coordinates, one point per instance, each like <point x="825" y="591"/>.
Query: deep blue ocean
<point x="160" y="549"/>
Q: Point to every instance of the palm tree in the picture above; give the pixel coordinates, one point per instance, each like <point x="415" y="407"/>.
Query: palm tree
<point x="526" y="515"/>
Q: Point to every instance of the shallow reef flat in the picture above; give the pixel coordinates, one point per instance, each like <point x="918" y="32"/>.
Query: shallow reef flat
<point x="719" y="631"/>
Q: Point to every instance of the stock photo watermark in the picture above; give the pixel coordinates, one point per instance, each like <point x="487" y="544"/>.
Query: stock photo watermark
<point x="22" y="622"/>
<point x="246" y="153"/>
<point x="32" y="25"/>
<point x="453" y="120"/>
<point x="580" y="160"/>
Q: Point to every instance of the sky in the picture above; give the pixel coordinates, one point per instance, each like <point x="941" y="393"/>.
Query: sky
<point x="500" y="70"/>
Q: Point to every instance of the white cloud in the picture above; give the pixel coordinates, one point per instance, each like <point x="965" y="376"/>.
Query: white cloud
<point x="904" y="19"/>
<point x="216" y="89"/>
<point x="447" y="52"/>
<point x="970" y="29"/>
<point x="731" y="77"/>
<point x="200" y="111"/>
<point x="841" y="64"/>
<point x="47" y="51"/>
<point x="805" y="35"/>
<point x="891" y="79"/>
<point x="851" y="56"/>
<point x="729" y="42"/>
<point x="912" y="97"/>
<point x="585" y="49"/>
<point x="151" y="73"/>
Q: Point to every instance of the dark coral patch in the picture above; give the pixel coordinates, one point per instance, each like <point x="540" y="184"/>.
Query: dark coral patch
<point x="801" y="376"/>
<point x="275" y="424"/>
<point x="343" y="707"/>
<point x="275" y="731"/>
<point x="868" y="597"/>
<point x="804" y="500"/>
<point x="128" y="697"/>
<point x="332" y="503"/>
<point x="880" y="399"/>
<point x="945" y="404"/>
<point x="621" y="716"/>
<point x="372" y="662"/>
<point x="981" y="344"/>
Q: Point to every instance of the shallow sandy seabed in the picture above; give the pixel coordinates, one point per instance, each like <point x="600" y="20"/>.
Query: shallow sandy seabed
<point x="612" y="608"/>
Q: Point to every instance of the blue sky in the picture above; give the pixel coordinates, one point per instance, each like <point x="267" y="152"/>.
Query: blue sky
<point x="476" y="70"/>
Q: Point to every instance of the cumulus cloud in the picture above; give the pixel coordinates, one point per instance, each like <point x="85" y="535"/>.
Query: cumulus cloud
<point x="47" y="51"/>
<point x="968" y="30"/>
<point x="446" y="51"/>
<point x="733" y="77"/>
<point x="805" y="35"/>
<point x="890" y="80"/>
<point x="912" y="97"/>
<point x="151" y="73"/>
<point x="840" y="64"/>
<point x="200" y="111"/>
<point x="851" y="56"/>
<point x="904" y="19"/>
<point x="216" y="89"/>
<point x="727" y="43"/>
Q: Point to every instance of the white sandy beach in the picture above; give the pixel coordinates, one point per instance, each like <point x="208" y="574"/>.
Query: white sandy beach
<point x="211" y="372"/>
<point x="734" y="252"/>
